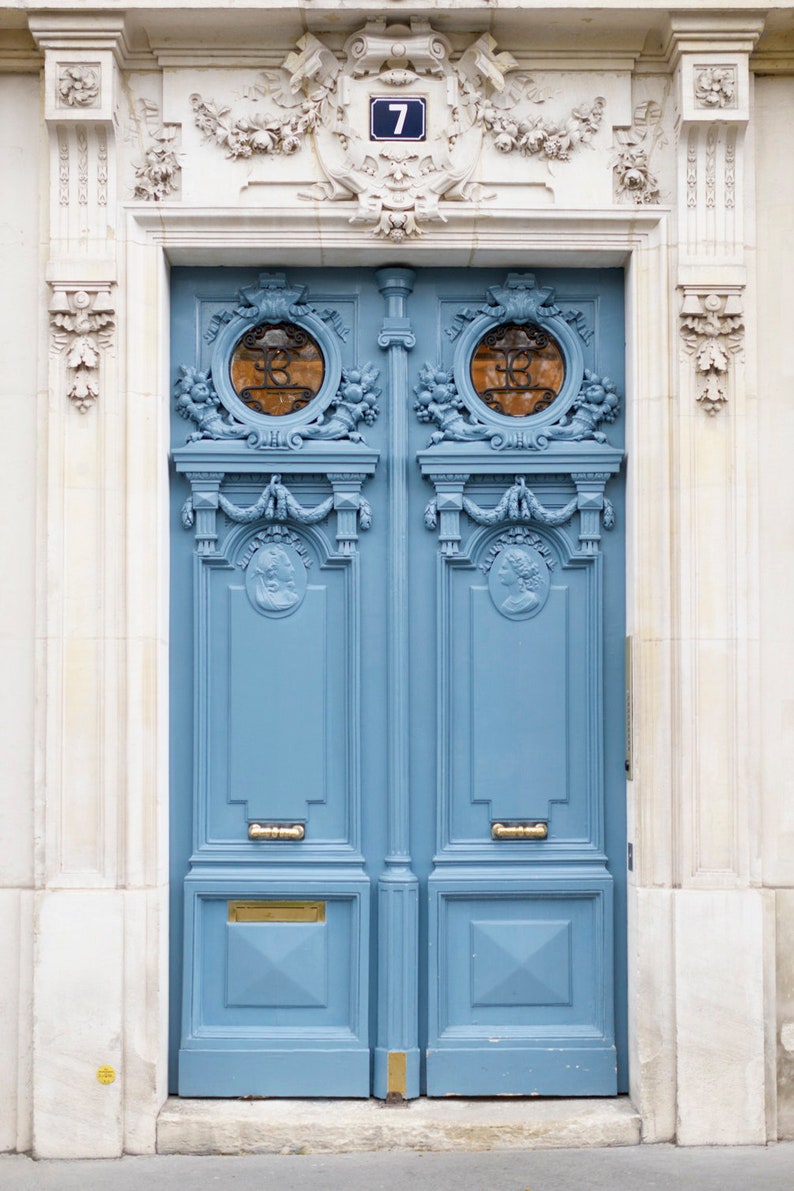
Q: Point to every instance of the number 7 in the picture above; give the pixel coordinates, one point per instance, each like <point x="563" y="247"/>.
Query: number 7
<point x="402" y="108"/>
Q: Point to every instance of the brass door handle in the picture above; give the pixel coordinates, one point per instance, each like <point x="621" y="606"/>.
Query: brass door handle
<point x="519" y="830"/>
<point x="285" y="831"/>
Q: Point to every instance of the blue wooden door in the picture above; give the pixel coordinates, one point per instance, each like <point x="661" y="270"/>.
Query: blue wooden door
<point x="397" y="754"/>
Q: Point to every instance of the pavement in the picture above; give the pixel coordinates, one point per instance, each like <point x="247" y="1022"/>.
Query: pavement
<point x="630" y="1168"/>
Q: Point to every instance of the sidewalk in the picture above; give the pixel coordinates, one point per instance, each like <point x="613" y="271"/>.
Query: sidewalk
<point x="632" y="1168"/>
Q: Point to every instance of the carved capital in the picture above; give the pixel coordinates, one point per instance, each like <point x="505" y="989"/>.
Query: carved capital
<point x="712" y="331"/>
<point x="82" y="321"/>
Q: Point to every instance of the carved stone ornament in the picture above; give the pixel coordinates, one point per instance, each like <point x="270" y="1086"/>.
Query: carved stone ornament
<point x="82" y="322"/>
<point x="634" y="181"/>
<point x="157" y="176"/>
<point x="712" y="328"/>
<point x="78" y="85"/>
<point x="397" y="186"/>
<point x="715" y="86"/>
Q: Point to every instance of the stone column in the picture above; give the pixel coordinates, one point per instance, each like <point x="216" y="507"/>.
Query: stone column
<point x="91" y="944"/>
<point x="721" y="920"/>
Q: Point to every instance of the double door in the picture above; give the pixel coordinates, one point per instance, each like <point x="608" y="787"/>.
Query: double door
<point x="397" y="749"/>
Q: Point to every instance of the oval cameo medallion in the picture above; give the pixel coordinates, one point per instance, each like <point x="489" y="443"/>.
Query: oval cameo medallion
<point x="519" y="582"/>
<point x="275" y="579"/>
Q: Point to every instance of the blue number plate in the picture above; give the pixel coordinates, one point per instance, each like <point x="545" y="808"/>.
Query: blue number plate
<point x="401" y="119"/>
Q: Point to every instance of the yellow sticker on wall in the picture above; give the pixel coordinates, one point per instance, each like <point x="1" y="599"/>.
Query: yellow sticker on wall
<point x="106" y="1074"/>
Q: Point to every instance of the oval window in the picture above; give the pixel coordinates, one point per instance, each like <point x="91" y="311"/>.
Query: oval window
<point x="277" y="369"/>
<point x="517" y="369"/>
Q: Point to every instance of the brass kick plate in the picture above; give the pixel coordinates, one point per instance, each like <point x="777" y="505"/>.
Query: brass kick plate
<point x="272" y="911"/>
<point x="397" y="1074"/>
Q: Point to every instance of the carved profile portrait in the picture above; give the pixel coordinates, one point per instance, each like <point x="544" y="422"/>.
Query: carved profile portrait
<point x="275" y="579"/>
<point x="518" y="582"/>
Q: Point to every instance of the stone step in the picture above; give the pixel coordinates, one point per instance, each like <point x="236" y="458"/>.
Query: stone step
<point x="343" y="1126"/>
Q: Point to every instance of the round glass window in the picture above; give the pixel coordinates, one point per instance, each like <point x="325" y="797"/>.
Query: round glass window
<point x="277" y="369"/>
<point x="517" y="369"/>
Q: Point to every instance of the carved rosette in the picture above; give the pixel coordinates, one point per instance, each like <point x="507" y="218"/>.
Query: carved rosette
<point x="480" y="97"/>
<point x="712" y="330"/>
<point x="82" y="321"/>
<point x="715" y="86"/>
<point x="78" y="84"/>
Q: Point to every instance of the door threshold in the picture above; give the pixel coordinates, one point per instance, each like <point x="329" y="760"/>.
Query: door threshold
<point x="344" y="1126"/>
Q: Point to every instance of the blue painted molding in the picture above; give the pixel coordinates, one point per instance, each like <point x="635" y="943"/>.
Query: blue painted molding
<point x="518" y="503"/>
<point x="355" y="402"/>
<point x="398" y="888"/>
<point x="438" y="400"/>
<point x="210" y="465"/>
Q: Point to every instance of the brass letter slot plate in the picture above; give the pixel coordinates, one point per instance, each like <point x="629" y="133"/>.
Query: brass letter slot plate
<point x="513" y="831"/>
<point x="273" y="911"/>
<point x="284" y="831"/>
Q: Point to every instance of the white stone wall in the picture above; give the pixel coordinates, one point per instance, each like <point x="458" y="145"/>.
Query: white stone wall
<point x="22" y="374"/>
<point x="110" y="187"/>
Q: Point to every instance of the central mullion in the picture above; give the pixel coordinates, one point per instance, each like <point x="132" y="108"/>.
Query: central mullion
<point x="397" y="1051"/>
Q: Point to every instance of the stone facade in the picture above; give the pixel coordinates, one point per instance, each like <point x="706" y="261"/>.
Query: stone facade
<point x="637" y="137"/>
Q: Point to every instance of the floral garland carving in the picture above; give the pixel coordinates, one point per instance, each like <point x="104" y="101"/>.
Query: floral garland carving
<point x="157" y="177"/>
<point x="634" y="181"/>
<point x="483" y="97"/>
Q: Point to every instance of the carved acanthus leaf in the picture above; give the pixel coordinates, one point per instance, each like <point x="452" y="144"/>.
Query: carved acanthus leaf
<point x="712" y="329"/>
<point x="82" y="323"/>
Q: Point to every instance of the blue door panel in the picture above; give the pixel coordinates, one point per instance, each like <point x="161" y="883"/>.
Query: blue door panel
<point x="267" y="987"/>
<point x="286" y="969"/>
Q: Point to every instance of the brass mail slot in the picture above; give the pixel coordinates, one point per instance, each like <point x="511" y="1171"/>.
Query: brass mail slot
<point x="506" y="831"/>
<point x="285" y="831"/>
<point x="274" y="911"/>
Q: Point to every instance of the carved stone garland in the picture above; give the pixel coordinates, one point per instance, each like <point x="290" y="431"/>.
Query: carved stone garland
<point x="398" y="187"/>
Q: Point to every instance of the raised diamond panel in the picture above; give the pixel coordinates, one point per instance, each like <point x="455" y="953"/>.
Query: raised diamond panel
<point x="276" y="964"/>
<point x="521" y="963"/>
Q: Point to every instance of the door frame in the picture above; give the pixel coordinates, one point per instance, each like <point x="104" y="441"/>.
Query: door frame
<point x="636" y="240"/>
